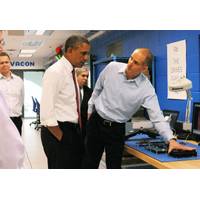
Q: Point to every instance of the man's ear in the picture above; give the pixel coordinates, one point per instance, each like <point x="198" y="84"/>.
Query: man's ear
<point x="145" y="68"/>
<point x="146" y="71"/>
<point x="69" y="50"/>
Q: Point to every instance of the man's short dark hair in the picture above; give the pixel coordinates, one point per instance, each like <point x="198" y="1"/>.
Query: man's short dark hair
<point x="75" y="40"/>
<point x="4" y="54"/>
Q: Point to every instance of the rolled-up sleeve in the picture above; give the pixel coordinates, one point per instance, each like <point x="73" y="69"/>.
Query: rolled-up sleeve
<point x="49" y="91"/>
<point x="157" y="118"/>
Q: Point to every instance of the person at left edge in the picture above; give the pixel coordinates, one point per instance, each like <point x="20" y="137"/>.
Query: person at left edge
<point x="12" y="150"/>
<point x="12" y="89"/>
<point x="60" y="134"/>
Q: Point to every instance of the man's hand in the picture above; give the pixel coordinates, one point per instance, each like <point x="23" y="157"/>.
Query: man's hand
<point x="56" y="131"/>
<point x="175" y="145"/>
<point x="89" y="114"/>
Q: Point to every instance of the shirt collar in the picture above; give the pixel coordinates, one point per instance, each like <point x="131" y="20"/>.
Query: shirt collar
<point x="137" y="80"/>
<point x="67" y="64"/>
<point x="3" y="77"/>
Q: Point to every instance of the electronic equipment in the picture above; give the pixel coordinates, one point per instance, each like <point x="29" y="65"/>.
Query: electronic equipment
<point x="173" y="116"/>
<point x="189" y="136"/>
<point x="196" y="118"/>
<point x="152" y="134"/>
<point x="182" y="153"/>
<point x="159" y="146"/>
<point x="155" y="147"/>
<point x="195" y="133"/>
<point x="145" y="126"/>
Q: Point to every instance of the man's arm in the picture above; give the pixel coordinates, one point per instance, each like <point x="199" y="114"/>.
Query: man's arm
<point x="50" y="87"/>
<point x="161" y="125"/>
<point x="97" y="91"/>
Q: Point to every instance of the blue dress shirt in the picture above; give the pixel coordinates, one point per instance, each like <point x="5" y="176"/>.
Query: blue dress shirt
<point x="116" y="98"/>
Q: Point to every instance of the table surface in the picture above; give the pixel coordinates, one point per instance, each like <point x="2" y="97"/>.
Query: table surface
<point x="186" y="164"/>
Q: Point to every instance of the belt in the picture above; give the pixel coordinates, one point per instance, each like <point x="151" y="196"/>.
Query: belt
<point x="108" y="123"/>
<point x="16" y="117"/>
<point x="69" y="124"/>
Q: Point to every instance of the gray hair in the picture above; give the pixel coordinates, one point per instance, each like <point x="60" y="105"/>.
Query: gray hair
<point x="81" y="70"/>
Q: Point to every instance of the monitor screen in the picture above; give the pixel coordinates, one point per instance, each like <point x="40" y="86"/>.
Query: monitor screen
<point x="173" y="114"/>
<point x="196" y="118"/>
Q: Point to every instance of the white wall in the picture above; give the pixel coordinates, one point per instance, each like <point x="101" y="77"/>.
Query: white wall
<point x="32" y="87"/>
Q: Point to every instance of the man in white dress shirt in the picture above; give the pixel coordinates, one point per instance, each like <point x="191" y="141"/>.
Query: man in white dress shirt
<point x="12" y="89"/>
<point x="11" y="145"/>
<point x="60" y="107"/>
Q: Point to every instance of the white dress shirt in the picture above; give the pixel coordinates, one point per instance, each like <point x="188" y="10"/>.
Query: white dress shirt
<point x="12" y="90"/>
<point x="11" y="145"/>
<point x="58" y="101"/>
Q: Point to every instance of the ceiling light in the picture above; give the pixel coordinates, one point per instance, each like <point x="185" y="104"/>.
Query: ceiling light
<point x="33" y="43"/>
<point x="48" y="32"/>
<point x="29" y="32"/>
<point x="25" y="55"/>
<point x="23" y="51"/>
<point x="39" y="32"/>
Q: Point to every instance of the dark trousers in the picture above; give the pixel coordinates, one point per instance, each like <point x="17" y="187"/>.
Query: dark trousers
<point x="64" y="154"/>
<point x="18" y="123"/>
<point x="102" y="134"/>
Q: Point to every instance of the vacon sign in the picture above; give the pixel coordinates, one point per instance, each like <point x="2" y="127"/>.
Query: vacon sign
<point x="23" y="63"/>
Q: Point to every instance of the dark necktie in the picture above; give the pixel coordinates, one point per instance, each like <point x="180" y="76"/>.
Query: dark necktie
<point x="77" y="99"/>
<point x="81" y="98"/>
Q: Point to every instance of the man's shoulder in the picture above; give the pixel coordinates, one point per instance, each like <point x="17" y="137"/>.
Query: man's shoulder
<point x="116" y="66"/>
<point x="16" y="77"/>
<point x="58" y="68"/>
<point x="87" y="89"/>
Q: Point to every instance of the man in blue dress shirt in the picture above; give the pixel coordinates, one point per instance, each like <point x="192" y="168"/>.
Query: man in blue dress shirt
<point x="120" y="91"/>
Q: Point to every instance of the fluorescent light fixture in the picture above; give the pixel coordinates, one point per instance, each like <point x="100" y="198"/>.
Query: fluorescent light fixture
<point x="29" y="32"/>
<point x="32" y="43"/>
<point x="24" y="51"/>
<point x="25" y="55"/>
<point x="48" y="32"/>
<point x="40" y="32"/>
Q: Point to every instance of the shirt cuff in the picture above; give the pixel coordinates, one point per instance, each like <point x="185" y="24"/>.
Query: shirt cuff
<point x="49" y="122"/>
<point x="90" y="108"/>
